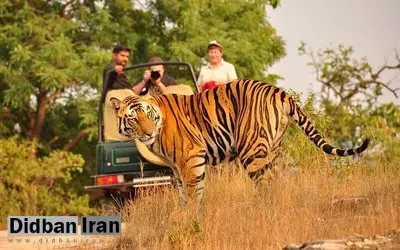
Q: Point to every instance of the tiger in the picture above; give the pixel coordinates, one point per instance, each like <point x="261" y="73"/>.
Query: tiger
<point x="243" y="120"/>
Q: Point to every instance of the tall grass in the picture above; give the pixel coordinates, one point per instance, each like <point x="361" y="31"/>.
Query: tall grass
<point x="307" y="204"/>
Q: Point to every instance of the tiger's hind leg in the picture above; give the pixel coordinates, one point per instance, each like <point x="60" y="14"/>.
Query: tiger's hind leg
<point x="263" y="175"/>
<point x="261" y="169"/>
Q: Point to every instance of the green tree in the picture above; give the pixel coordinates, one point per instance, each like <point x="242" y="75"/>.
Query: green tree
<point x="41" y="60"/>
<point x="51" y="58"/>
<point x="345" y="80"/>
<point x="350" y="88"/>
<point x="181" y="30"/>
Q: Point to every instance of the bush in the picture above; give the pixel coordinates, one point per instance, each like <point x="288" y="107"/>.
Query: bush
<point x="42" y="186"/>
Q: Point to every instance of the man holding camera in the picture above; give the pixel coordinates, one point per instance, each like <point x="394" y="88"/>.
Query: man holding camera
<point x="154" y="77"/>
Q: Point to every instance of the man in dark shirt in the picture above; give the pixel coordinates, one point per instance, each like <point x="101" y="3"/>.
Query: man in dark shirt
<point x="117" y="78"/>
<point x="164" y="80"/>
<point x="118" y="86"/>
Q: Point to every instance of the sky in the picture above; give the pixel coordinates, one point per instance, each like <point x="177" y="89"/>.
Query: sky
<point x="370" y="27"/>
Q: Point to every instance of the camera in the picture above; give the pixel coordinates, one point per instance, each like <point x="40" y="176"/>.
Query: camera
<point x="155" y="75"/>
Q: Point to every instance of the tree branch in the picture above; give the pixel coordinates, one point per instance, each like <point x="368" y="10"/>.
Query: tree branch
<point x="381" y="70"/>
<point x="142" y="6"/>
<point x="385" y="67"/>
<point x="51" y="142"/>
<point x="72" y="142"/>
<point x="394" y="91"/>
<point x="43" y="103"/>
<point x="55" y="95"/>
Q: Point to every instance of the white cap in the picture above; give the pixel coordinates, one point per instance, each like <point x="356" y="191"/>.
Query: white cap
<point x="214" y="43"/>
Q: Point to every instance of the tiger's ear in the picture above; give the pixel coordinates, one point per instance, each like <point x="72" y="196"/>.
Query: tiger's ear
<point x="115" y="103"/>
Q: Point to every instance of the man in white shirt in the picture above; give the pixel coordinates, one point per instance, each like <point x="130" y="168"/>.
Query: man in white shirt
<point x="217" y="71"/>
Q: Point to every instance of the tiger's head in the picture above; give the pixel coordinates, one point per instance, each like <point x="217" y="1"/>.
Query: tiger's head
<point x="137" y="118"/>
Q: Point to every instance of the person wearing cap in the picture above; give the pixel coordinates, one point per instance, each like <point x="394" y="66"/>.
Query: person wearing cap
<point x="142" y="87"/>
<point x="217" y="71"/>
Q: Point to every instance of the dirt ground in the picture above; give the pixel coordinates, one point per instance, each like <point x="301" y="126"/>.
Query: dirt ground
<point x="389" y="241"/>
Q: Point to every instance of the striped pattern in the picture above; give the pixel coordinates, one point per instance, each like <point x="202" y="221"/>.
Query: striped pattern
<point x="244" y="119"/>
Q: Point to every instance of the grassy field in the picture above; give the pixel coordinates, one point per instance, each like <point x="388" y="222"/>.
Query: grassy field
<point x="313" y="201"/>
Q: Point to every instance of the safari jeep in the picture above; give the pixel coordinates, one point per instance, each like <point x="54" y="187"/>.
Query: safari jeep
<point x="124" y="165"/>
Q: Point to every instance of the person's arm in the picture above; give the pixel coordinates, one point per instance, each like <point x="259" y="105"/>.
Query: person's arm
<point x="138" y="87"/>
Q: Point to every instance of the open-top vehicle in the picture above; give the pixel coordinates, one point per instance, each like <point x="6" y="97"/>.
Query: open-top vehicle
<point x="125" y="165"/>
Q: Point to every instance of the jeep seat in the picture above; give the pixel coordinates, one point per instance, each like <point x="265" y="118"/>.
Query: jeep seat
<point x="181" y="89"/>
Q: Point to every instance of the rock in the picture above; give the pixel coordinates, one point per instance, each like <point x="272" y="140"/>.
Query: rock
<point x="390" y="241"/>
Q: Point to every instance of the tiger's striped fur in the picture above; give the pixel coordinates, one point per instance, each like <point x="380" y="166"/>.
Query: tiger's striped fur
<point x="244" y="119"/>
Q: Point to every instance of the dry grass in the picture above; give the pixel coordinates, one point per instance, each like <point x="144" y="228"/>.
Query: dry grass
<point x="295" y="207"/>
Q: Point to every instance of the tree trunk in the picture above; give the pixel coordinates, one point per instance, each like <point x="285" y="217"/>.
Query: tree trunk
<point x="35" y="126"/>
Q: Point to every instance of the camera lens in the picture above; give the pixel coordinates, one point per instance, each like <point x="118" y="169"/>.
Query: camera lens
<point x="155" y="75"/>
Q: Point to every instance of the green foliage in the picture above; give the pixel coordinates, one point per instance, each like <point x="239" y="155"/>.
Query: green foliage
<point x="44" y="186"/>
<point x="380" y="123"/>
<point x="349" y="90"/>
<point x="347" y="81"/>
<point x="184" y="28"/>
<point x="46" y="57"/>
<point x="296" y="144"/>
<point x="383" y="126"/>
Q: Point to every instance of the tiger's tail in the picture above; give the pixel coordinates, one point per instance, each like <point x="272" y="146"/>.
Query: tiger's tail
<point x="305" y="123"/>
